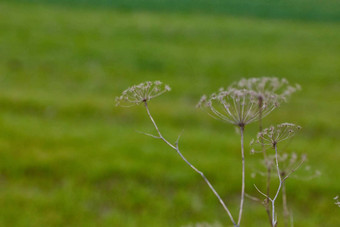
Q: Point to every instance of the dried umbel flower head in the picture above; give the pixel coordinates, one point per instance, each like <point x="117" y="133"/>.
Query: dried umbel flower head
<point x="266" y="87"/>
<point x="273" y="135"/>
<point x="142" y="92"/>
<point x="237" y="106"/>
<point x="288" y="163"/>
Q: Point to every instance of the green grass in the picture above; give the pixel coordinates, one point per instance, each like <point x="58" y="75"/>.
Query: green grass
<point x="68" y="157"/>
<point x="326" y="10"/>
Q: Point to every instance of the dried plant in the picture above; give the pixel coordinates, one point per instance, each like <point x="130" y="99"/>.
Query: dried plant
<point x="267" y="88"/>
<point x="288" y="162"/>
<point x="239" y="106"/>
<point x="242" y="103"/>
<point x="271" y="137"/>
<point x="141" y="94"/>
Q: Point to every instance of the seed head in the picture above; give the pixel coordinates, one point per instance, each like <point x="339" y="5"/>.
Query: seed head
<point x="273" y="135"/>
<point x="237" y="106"/>
<point x="142" y="92"/>
<point x="289" y="163"/>
<point x="268" y="87"/>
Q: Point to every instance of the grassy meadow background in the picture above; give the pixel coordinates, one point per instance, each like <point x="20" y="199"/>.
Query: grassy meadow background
<point x="68" y="157"/>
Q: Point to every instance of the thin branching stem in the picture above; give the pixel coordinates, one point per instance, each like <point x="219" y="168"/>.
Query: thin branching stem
<point x="255" y="199"/>
<point x="279" y="188"/>
<point x="268" y="166"/>
<point x="243" y="176"/>
<point x="282" y="180"/>
<point x="262" y="192"/>
<point x="175" y="147"/>
<point x="269" y="170"/>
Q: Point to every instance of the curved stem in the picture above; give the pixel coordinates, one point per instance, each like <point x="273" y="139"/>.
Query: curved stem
<point x="243" y="176"/>
<point x="175" y="147"/>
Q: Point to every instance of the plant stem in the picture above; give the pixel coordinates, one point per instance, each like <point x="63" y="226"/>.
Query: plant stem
<point x="278" y="190"/>
<point x="282" y="181"/>
<point x="261" y="128"/>
<point x="268" y="191"/>
<point x="284" y="204"/>
<point x="266" y="163"/>
<point x="243" y="176"/>
<point x="175" y="147"/>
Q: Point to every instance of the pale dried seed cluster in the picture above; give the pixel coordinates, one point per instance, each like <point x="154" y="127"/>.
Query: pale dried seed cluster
<point x="288" y="163"/>
<point x="237" y="106"/>
<point x="290" y="160"/>
<point x="142" y="92"/>
<point x="273" y="135"/>
<point x="243" y="102"/>
<point x="266" y="87"/>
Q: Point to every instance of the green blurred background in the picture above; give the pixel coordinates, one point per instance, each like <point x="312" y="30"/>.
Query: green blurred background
<point x="68" y="157"/>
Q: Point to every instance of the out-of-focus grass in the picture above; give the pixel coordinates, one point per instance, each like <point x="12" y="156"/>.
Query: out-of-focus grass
<point x="317" y="10"/>
<point x="69" y="157"/>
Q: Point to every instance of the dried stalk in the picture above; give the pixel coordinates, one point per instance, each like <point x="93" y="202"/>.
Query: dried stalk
<point x="175" y="147"/>
<point x="243" y="176"/>
<point x="282" y="180"/>
<point x="266" y="204"/>
<point x="274" y="221"/>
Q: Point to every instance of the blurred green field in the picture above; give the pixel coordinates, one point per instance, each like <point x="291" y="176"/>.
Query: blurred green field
<point x="68" y="157"/>
<point x="321" y="10"/>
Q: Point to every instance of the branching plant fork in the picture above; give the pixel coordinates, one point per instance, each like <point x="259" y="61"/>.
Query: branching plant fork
<point x="176" y="147"/>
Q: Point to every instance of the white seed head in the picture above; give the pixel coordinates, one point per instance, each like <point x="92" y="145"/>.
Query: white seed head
<point x="268" y="88"/>
<point x="273" y="135"/>
<point x="237" y="106"/>
<point x="142" y="92"/>
<point x="289" y="163"/>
